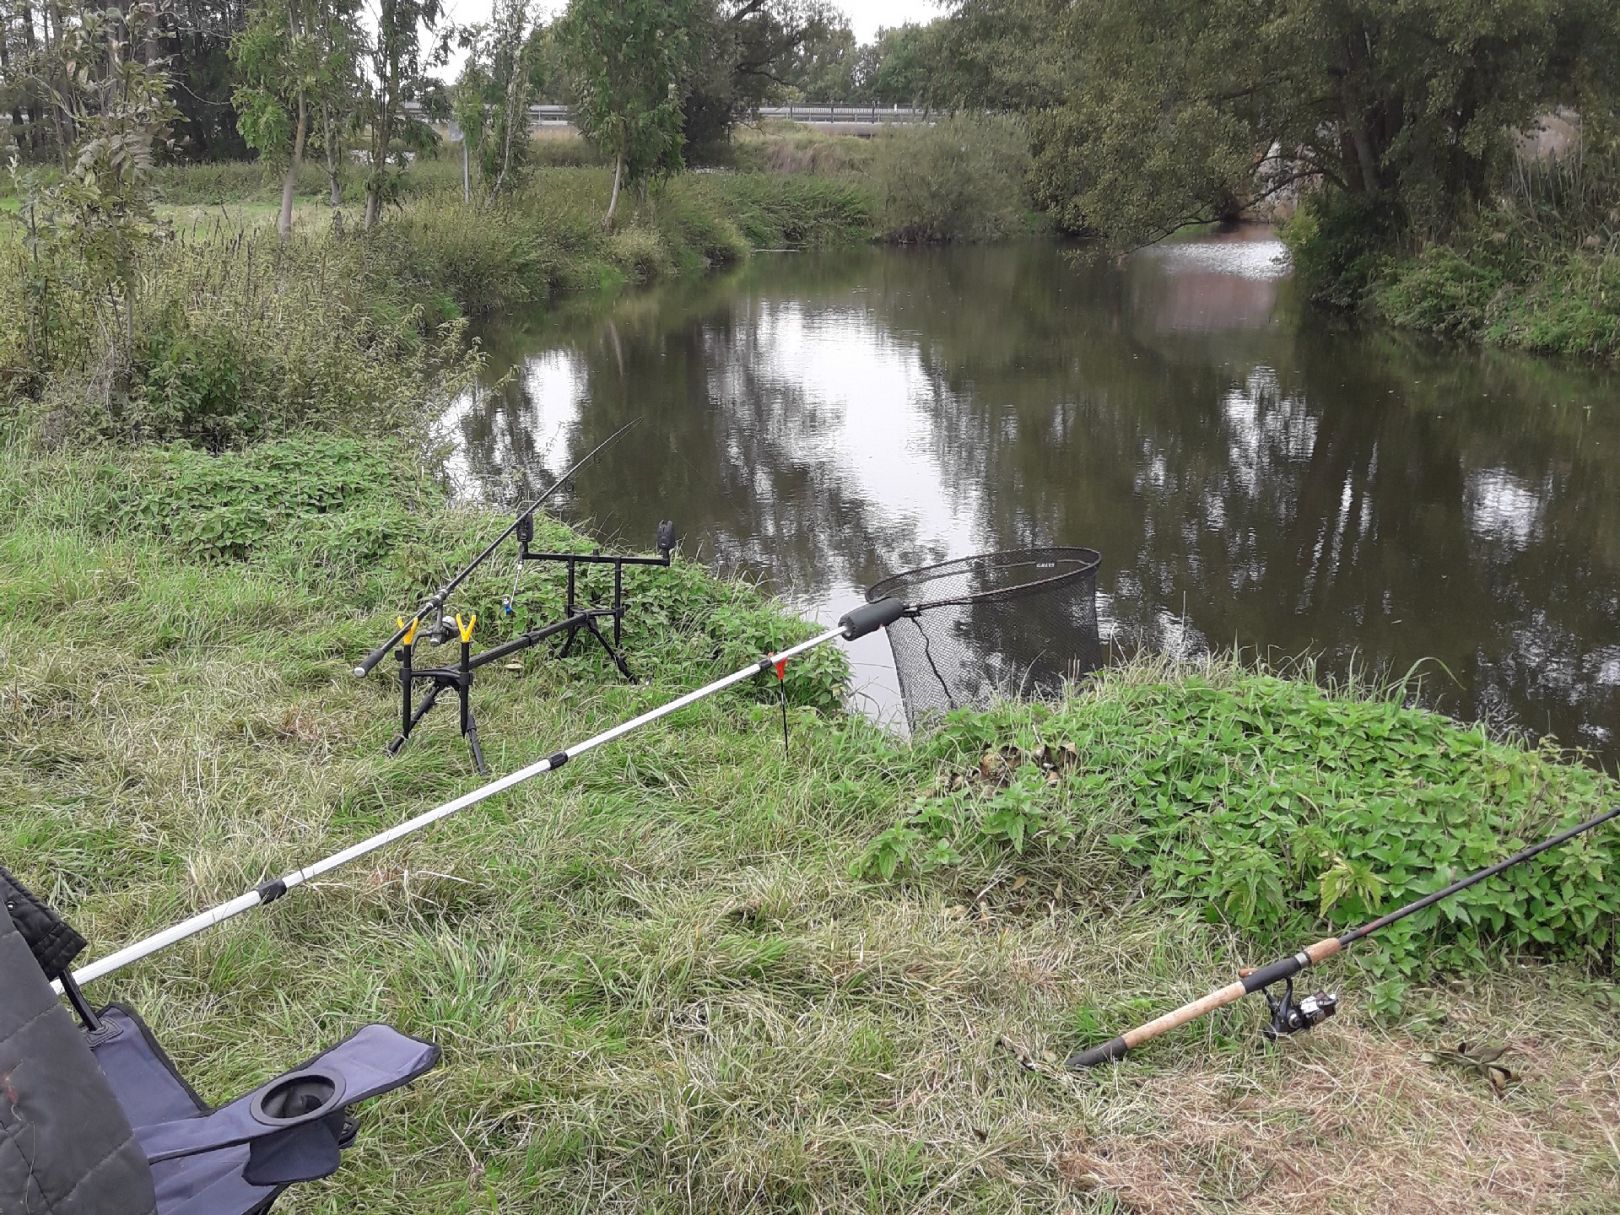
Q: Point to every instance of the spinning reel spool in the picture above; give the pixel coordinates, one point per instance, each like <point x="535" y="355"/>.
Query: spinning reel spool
<point x="1287" y="1017"/>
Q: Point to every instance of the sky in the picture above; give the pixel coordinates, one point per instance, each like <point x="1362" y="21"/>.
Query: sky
<point x="866" y="17"/>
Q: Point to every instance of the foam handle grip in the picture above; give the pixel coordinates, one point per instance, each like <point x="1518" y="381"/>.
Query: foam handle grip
<point x="1108" y="1052"/>
<point x="870" y="617"/>
<point x="372" y="659"/>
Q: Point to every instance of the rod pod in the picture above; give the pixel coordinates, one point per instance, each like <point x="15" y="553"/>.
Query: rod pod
<point x="863" y="620"/>
<point x="1284" y="969"/>
<point x="436" y="603"/>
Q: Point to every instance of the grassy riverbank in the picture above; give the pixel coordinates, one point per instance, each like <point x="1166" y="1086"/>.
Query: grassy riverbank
<point x="1537" y="270"/>
<point x="692" y="973"/>
<point x="1491" y="289"/>
<point x="223" y="334"/>
<point x="216" y="333"/>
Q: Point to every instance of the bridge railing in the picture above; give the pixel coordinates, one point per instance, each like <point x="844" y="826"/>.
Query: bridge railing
<point x="881" y="114"/>
<point x="867" y="115"/>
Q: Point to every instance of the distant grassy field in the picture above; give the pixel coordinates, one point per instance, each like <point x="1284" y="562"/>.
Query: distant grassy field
<point x="659" y="983"/>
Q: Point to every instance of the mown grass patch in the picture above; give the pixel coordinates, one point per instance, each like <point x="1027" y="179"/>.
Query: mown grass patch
<point x="657" y="983"/>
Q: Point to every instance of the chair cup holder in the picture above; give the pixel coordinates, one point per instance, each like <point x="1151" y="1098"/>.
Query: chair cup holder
<point x="298" y="1097"/>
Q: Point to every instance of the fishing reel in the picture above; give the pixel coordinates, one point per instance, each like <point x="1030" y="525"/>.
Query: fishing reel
<point x="1287" y="1017"/>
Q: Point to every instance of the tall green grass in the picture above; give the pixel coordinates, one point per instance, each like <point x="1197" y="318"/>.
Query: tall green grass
<point x="657" y="984"/>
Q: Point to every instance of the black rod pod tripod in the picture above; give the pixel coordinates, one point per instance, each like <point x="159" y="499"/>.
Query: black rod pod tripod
<point x="576" y="619"/>
<point x="1288" y="1017"/>
<point x="435" y="603"/>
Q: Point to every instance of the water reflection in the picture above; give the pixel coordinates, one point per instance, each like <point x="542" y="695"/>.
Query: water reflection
<point x="1251" y="475"/>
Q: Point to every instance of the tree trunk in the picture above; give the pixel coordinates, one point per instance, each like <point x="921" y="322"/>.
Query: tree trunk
<point x="1354" y="116"/>
<point x="382" y="134"/>
<point x="334" y="157"/>
<point x="290" y="182"/>
<point x="613" y="199"/>
<point x="515" y="116"/>
<point x="31" y="106"/>
<point x="60" y="115"/>
<point x="16" y="110"/>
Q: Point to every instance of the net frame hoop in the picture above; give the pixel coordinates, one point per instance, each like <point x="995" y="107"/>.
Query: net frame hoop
<point x="1088" y="561"/>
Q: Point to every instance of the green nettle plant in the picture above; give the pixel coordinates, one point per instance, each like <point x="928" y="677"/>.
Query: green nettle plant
<point x="1280" y="810"/>
<point x="629" y="60"/>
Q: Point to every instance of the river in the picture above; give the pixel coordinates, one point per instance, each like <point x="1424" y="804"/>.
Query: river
<point x="1254" y="473"/>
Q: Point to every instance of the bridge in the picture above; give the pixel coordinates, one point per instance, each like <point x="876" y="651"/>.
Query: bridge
<point x="848" y="119"/>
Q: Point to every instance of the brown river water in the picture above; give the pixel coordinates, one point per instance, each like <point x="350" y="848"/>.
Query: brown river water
<point x="1255" y="474"/>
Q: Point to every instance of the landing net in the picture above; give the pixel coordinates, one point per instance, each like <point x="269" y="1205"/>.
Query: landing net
<point x="1015" y="624"/>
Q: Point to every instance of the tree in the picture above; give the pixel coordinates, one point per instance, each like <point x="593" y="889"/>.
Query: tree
<point x="1002" y="55"/>
<point x="296" y="61"/>
<point x="743" y="56"/>
<point x="629" y="61"/>
<point x="497" y="85"/>
<point x="342" y="44"/>
<point x="99" y="77"/>
<point x="401" y="53"/>
<point x="1172" y="113"/>
<point x="821" y="69"/>
<point x="899" y="65"/>
<point x="194" y="38"/>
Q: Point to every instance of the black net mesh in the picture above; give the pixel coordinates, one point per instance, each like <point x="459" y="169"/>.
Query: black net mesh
<point x="1016" y="624"/>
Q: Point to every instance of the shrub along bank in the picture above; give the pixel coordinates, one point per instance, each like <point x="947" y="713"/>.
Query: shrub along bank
<point x="220" y="334"/>
<point x="694" y="971"/>
<point x="1538" y="270"/>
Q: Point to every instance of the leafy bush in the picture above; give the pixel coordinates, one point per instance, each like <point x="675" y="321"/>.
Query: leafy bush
<point x="1440" y="291"/>
<point x="1283" y="811"/>
<point x="1339" y="244"/>
<point x="960" y="180"/>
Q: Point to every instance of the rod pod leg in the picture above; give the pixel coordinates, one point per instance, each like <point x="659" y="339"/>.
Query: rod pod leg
<point x="427" y="703"/>
<point x="618" y="659"/>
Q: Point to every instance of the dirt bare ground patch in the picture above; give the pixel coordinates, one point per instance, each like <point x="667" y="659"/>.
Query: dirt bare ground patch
<point x="1364" y="1126"/>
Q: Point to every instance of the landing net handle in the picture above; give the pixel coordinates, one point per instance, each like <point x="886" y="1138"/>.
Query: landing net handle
<point x="858" y="623"/>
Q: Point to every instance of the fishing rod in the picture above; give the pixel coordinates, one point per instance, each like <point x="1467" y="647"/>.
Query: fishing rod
<point x="436" y="603"/>
<point x="1288" y="1017"/>
<point x="867" y="618"/>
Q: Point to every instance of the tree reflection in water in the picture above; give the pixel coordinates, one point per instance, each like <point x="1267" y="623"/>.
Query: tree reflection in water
<point x="1253" y="473"/>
